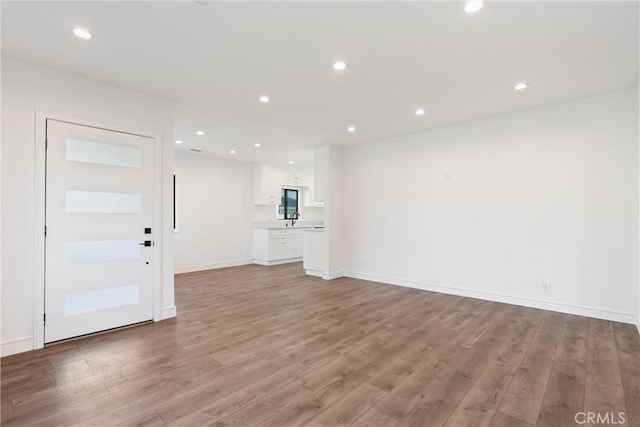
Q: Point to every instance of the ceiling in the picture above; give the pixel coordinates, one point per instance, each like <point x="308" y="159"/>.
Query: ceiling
<point x="214" y="59"/>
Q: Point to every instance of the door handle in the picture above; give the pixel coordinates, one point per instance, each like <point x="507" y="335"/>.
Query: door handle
<point x="145" y="243"/>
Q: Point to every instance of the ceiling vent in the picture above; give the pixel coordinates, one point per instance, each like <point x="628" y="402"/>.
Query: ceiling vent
<point x="195" y="150"/>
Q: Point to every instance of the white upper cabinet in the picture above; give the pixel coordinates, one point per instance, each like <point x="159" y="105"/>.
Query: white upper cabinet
<point x="298" y="178"/>
<point x="268" y="181"/>
<point x="292" y="178"/>
<point x="277" y="178"/>
<point x="266" y="185"/>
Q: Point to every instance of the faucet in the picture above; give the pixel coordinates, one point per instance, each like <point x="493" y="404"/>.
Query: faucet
<point x="294" y="217"/>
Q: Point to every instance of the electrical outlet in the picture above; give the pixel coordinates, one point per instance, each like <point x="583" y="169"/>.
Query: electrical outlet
<point x="546" y="287"/>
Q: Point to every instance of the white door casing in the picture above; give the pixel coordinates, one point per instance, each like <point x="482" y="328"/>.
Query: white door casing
<point x="99" y="200"/>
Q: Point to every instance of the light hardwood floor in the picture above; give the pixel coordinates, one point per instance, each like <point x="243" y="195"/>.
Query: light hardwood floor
<point x="269" y="346"/>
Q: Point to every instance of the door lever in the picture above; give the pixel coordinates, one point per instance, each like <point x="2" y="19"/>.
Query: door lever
<point x="145" y="243"/>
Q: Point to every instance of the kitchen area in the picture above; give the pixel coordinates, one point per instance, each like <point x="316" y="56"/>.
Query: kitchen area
<point x="289" y="237"/>
<point x="232" y="212"/>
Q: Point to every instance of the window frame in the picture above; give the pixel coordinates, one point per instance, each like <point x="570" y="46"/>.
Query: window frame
<point x="286" y="216"/>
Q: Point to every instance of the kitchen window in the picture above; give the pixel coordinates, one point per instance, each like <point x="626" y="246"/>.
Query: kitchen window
<point x="288" y="204"/>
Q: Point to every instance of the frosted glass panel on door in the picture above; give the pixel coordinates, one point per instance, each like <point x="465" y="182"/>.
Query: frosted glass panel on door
<point x="101" y="250"/>
<point x="95" y="202"/>
<point x="101" y="299"/>
<point x="104" y="154"/>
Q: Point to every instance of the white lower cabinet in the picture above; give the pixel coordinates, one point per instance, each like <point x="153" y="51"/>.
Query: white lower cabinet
<point x="288" y="245"/>
<point x="315" y="263"/>
<point x="277" y="246"/>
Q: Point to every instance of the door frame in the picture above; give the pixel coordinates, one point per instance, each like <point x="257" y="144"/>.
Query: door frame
<point x="41" y="118"/>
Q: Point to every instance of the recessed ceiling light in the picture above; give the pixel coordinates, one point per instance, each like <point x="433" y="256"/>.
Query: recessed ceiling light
<point x="473" y="6"/>
<point x="82" y="33"/>
<point x="290" y="162"/>
<point x="351" y="129"/>
<point x="419" y="112"/>
<point x="264" y="99"/>
<point x="232" y="151"/>
<point x="521" y="86"/>
<point x="199" y="133"/>
<point x="339" y="66"/>
<point x="178" y="141"/>
<point x="257" y="145"/>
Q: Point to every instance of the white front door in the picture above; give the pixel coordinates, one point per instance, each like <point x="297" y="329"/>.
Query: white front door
<point x="99" y="213"/>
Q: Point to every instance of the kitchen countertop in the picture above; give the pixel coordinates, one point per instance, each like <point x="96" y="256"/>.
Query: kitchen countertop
<point x="282" y="226"/>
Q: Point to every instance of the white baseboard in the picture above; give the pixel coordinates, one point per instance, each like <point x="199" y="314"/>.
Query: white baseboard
<point x="334" y="275"/>
<point x="211" y="266"/>
<point x="16" y="346"/>
<point x="508" y="299"/>
<point x="168" y="312"/>
<point x="276" y="262"/>
<point x="315" y="273"/>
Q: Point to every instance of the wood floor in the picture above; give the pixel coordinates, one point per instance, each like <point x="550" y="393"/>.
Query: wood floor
<point x="269" y="346"/>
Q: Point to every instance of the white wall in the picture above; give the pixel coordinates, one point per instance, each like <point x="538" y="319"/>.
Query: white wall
<point x="217" y="212"/>
<point x="638" y="118"/>
<point x="1" y="237"/>
<point x="494" y="207"/>
<point x="335" y="212"/>
<point x="25" y="88"/>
